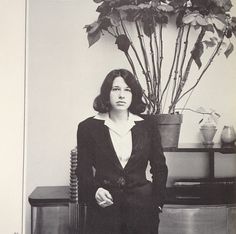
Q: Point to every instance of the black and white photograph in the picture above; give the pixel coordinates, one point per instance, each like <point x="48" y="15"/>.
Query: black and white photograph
<point x="118" y="116"/>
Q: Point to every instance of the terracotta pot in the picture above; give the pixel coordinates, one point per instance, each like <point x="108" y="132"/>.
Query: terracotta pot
<point x="169" y="127"/>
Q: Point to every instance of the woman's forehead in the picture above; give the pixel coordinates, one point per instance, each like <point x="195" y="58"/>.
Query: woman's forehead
<point x="119" y="81"/>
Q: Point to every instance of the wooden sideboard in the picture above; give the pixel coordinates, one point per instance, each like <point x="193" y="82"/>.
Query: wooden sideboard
<point x="211" y="210"/>
<point x="50" y="215"/>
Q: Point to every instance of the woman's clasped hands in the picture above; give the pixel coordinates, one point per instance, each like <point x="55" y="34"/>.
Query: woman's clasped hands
<point x="103" y="197"/>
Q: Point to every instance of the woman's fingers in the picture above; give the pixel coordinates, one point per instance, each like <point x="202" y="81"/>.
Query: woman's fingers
<point x="99" y="198"/>
<point x="103" y="197"/>
<point x="105" y="203"/>
<point x="108" y="195"/>
<point x="98" y="195"/>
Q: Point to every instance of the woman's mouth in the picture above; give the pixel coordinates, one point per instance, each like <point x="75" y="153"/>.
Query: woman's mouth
<point x="120" y="103"/>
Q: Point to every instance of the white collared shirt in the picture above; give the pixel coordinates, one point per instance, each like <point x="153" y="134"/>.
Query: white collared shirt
<point x="121" y="136"/>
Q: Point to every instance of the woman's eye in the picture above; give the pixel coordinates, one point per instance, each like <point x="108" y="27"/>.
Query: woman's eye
<point x="115" y="89"/>
<point x="118" y="89"/>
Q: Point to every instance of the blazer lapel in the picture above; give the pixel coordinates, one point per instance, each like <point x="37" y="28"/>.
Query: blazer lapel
<point x="105" y="142"/>
<point x="103" y="138"/>
<point x="137" y="142"/>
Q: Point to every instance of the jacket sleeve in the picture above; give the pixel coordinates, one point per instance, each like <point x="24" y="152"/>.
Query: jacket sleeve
<point x="158" y="165"/>
<point x="84" y="171"/>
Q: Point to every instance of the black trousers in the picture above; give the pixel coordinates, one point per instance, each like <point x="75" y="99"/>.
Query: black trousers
<point x="123" y="217"/>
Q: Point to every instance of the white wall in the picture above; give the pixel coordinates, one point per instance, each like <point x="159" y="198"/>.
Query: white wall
<point x="12" y="56"/>
<point x="64" y="76"/>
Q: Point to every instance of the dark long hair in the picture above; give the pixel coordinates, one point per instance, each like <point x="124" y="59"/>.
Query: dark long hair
<point x="102" y="101"/>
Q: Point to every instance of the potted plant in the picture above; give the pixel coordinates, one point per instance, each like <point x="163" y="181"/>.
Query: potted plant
<point x="202" y="28"/>
<point x="208" y="123"/>
<point x="208" y="126"/>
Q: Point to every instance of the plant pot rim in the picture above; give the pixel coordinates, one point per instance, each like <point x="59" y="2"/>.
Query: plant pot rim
<point x="169" y="118"/>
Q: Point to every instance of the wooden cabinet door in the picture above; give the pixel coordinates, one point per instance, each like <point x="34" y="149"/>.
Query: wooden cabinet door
<point x="50" y="220"/>
<point x="194" y="220"/>
<point x="232" y="220"/>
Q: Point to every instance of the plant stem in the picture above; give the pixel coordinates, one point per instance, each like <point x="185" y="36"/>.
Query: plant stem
<point x="177" y="62"/>
<point x="187" y="70"/>
<point x="161" y="45"/>
<point x="205" y="69"/>
<point x="158" y="78"/>
<point x="184" y="55"/>
<point x="153" y="63"/>
<point x="148" y="102"/>
<point x="113" y="34"/>
<point x="160" y="59"/>
<point x="172" y="67"/>
<point x="132" y="65"/>
<point x="199" y="112"/>
<point x="141" y="40"/>
<point x="117" y="31"/>
<point x="133" y="48"/>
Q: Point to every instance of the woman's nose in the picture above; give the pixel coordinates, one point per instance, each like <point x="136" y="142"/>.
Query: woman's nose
<point x="121" y="94"/>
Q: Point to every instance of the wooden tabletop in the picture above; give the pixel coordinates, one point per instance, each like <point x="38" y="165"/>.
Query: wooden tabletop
<point x="198" y="147"/>
<point x="50" y="195"/>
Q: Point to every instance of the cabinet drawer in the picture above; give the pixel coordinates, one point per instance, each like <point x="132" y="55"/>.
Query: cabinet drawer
<point x="194" y="220"/>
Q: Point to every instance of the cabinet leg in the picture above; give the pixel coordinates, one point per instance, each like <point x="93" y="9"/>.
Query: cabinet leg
<point x="211" y="165"/>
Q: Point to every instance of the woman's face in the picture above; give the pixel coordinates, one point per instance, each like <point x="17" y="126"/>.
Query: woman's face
<point x="120" y="95"/>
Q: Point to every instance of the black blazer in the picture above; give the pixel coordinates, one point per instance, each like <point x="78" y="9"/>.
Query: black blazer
<point x="96" y="151"/>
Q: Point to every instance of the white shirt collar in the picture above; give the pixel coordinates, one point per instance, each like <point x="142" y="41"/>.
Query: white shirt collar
<point x="105" y="116"/>
<point x="111" y="125"/>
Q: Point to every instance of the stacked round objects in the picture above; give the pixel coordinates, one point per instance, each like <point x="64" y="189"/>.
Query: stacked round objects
<point x="73" y="205"/>
<point x="73" y="177"/>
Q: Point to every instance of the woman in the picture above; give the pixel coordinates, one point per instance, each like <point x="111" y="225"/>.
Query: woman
<point x="114" y="148"/>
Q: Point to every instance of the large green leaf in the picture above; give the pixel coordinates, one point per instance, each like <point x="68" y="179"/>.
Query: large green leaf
<point x="228" y="33"/>
<point x="104" y="9"/>
<point x="229" y="50"/>
<point x="178" y="4"/>
<point x="210" y="28"/>
<point x="155" y="3"/>
<point x="144" y="6"/>
<point x="129" y="12"/>
<point x="105" y="23"/>
<point x="161" y="18"/>
<point x="225" y="4"/>
<point x="197" y="53"/>
<point x="233" y="22"/>
<point x="128" y="7"/>
<point x="114" y="17"/>
<point x="179" y="19"/>
<point x="210" y="43"/>
<point x="195" y="18"/>
<point x="219" y="22"/>
<point x="148" y="28"/>
<point x="94" y="37"/>
<point x="123" y="43"/>
<point x="201" y="20"/>
<point x="165" y="7"/>
<point x="91" y="28"/>
<point x="219" y="32"/>
<point x="189" y="18"/>
<point x="123" y="14"/>
<point x="233" y="25"/>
